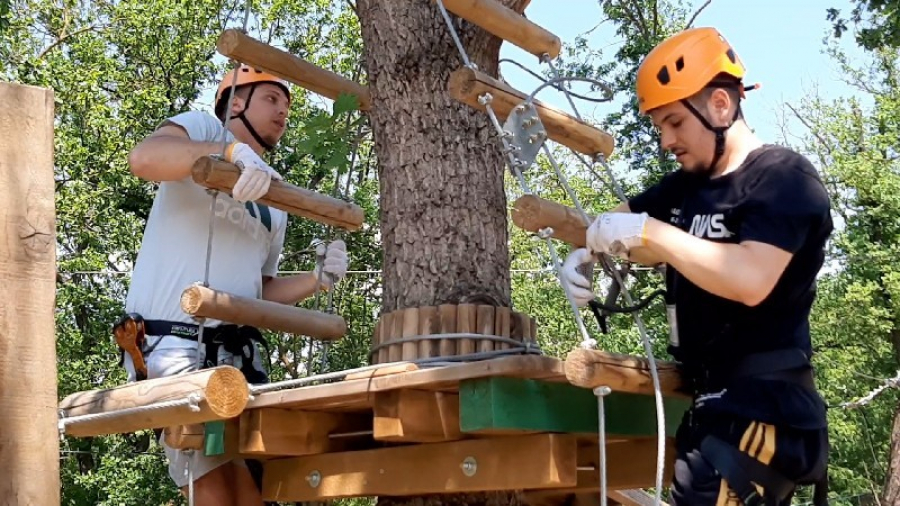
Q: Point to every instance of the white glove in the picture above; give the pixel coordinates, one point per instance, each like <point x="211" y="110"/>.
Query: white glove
<point x="617" y="233"/>
<point x="573" y="275"/>
<point x="256" y="175"/>
<point x="332" y="260"/>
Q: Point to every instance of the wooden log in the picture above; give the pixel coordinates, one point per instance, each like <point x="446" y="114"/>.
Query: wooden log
<point x="625" y="373"/>
<point x="447" y="347"/>
<point x="222" y="176"/>
<point x="240" y="47"/>
<point x="29" y="442"/>
<point x="533" y="214"/>
<point x="223" y="393"/>
<point x="506" y="463"/>
<point x="466" y="318"/>
<point x="524" y="326"/>
<point x="200" y="301"/>
<point x="429" y="324"/>
<point x="272" y="431"/>
<point x="387" y="326"/>
<point x="416" y="416"/>
<point x="507" y="24"/>
<point x="395" y="351"/>
<point x="485" y="325"/>
<point x="467" y="85"/>
<point x="501" y="327"/>
<point x="185" y="437"/>
<point x="410" y="349"/>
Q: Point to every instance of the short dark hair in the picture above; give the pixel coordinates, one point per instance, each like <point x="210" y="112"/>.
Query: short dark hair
<point x="727" y="82"/>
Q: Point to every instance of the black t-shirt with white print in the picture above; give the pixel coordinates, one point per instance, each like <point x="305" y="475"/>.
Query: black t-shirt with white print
<point x="775" y="197"/>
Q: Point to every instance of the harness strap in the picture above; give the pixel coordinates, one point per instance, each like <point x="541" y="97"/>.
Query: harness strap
<point x="741" y="472"/>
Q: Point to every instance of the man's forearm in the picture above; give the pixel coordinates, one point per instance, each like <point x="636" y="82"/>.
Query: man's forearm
<point x="289" y="289"/>
<point x="168" y="157"/>
<point x="731" y="271"/>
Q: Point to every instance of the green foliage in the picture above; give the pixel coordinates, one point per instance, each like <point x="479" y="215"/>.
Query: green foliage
<point x="878" y="23"/>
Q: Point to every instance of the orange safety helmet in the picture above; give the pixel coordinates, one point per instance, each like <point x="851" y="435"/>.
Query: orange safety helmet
<point x="684" y="64"/>
<point x="246" y="75"/>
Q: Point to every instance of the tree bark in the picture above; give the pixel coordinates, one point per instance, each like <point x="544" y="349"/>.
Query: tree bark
<point x="443" y="206"/>
<point x="441" y="170"/>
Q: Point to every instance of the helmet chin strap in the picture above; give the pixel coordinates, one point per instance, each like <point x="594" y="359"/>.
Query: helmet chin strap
<point x="246" y="122"/>
<point x="718" y="131"/>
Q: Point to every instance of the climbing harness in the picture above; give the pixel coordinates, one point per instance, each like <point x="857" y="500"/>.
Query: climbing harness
<point x="522" y="137"/>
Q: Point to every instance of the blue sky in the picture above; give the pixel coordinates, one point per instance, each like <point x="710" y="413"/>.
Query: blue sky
<point x="780" y="42"/>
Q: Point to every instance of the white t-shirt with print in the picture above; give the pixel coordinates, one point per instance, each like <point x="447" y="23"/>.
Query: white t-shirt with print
<point x="247" y="240"/>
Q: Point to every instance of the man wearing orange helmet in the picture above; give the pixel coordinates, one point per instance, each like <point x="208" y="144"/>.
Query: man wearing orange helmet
<point x="246" y="243"/>
<point x="742" y="228"/>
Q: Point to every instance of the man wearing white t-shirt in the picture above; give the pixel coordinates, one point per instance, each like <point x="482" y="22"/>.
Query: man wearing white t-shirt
<point x="247" y="241"/>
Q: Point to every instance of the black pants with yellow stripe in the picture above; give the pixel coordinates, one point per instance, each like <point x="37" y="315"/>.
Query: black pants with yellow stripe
<point x="791" y="452"/>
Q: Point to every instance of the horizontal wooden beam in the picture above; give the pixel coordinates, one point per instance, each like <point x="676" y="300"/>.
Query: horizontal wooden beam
<point x="416" y="416"/>
<point x="467" y="85"/>
<point x="218" y="175"/>
<point x="185" y="437"/>
<point x="272" y="431"/>
<point x="625" y="373"/>
<point x="509" y="463"/>
<point x="511" y="405"/>
<point x="202" y="302"/>
<point x="533" y="214"/>
<point x="222" y="393"/>
<point x="507" y="24"/>
<point x="245" y="49"/>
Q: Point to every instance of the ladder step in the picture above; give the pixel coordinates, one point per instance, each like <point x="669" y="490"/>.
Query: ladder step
<point x="467" y="85"/>
<point x="533" y="214"/>
<point x="222" y="176"/>
<point x="202" y="302"/>
<point x="245" y="49"/>
<point x="507" y="24"/>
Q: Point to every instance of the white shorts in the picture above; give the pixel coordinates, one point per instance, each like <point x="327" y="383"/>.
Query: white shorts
<point x="170" y="355"/>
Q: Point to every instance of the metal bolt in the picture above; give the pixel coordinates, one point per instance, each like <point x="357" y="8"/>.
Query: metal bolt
<point x="602" y="390"/>
<point x="314" y="479"/>
<point x="469" y="466"/>
<point x="520" y="109"/>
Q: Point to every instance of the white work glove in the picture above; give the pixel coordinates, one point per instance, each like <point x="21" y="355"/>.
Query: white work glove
<point x="616" y="233"/>
<point x="575" y="275"/>
<point x="332" y="261"/>
<point x="256" y="175"/>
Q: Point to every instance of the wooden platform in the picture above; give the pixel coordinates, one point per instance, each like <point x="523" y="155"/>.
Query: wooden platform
<point x="511" y="423"/>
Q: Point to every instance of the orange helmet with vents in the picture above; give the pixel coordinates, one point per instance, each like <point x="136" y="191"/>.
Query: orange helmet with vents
<point x="246" y="75"/>
<point x="684" y="64"/>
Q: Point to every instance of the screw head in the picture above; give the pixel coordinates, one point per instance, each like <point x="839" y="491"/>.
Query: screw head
<point x="469" y="466"/>
<point x="314" y="479"/>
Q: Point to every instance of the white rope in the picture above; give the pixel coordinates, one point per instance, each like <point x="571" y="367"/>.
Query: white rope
<point x="192" y="402"/>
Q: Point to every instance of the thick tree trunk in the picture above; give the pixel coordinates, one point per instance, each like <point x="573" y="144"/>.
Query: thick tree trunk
<point x="443" y="208"/>
<point x="892" y="482"/>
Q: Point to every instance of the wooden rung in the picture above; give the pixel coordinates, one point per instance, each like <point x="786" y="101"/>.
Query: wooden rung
<point x="511" y="463"/>
<point x="467" y="85"/>
<point x="533" y="214"/>
<point x="245" y="49"/>
<point x="625" y="373"/>
<point x="223" y="392"/>
<point x="185" y="437"/>
<point x="202" y="302"/>
<point x="222" y="176"/>
<point x="416" y="416"/>
<point x="272" y="431"/>
<point x="507" y="24"/>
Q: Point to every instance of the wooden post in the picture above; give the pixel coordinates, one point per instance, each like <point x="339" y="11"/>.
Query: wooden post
<point x="291" y="199"/>
<point x="29" y="441"/>
<point x="200" y="301"/>
<point x="533" y="214"/>
<point x="245" y="49"/>
<point x="222" y="392"/>
<point x="467" y="85"/>
<point x="507" y="24"/>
